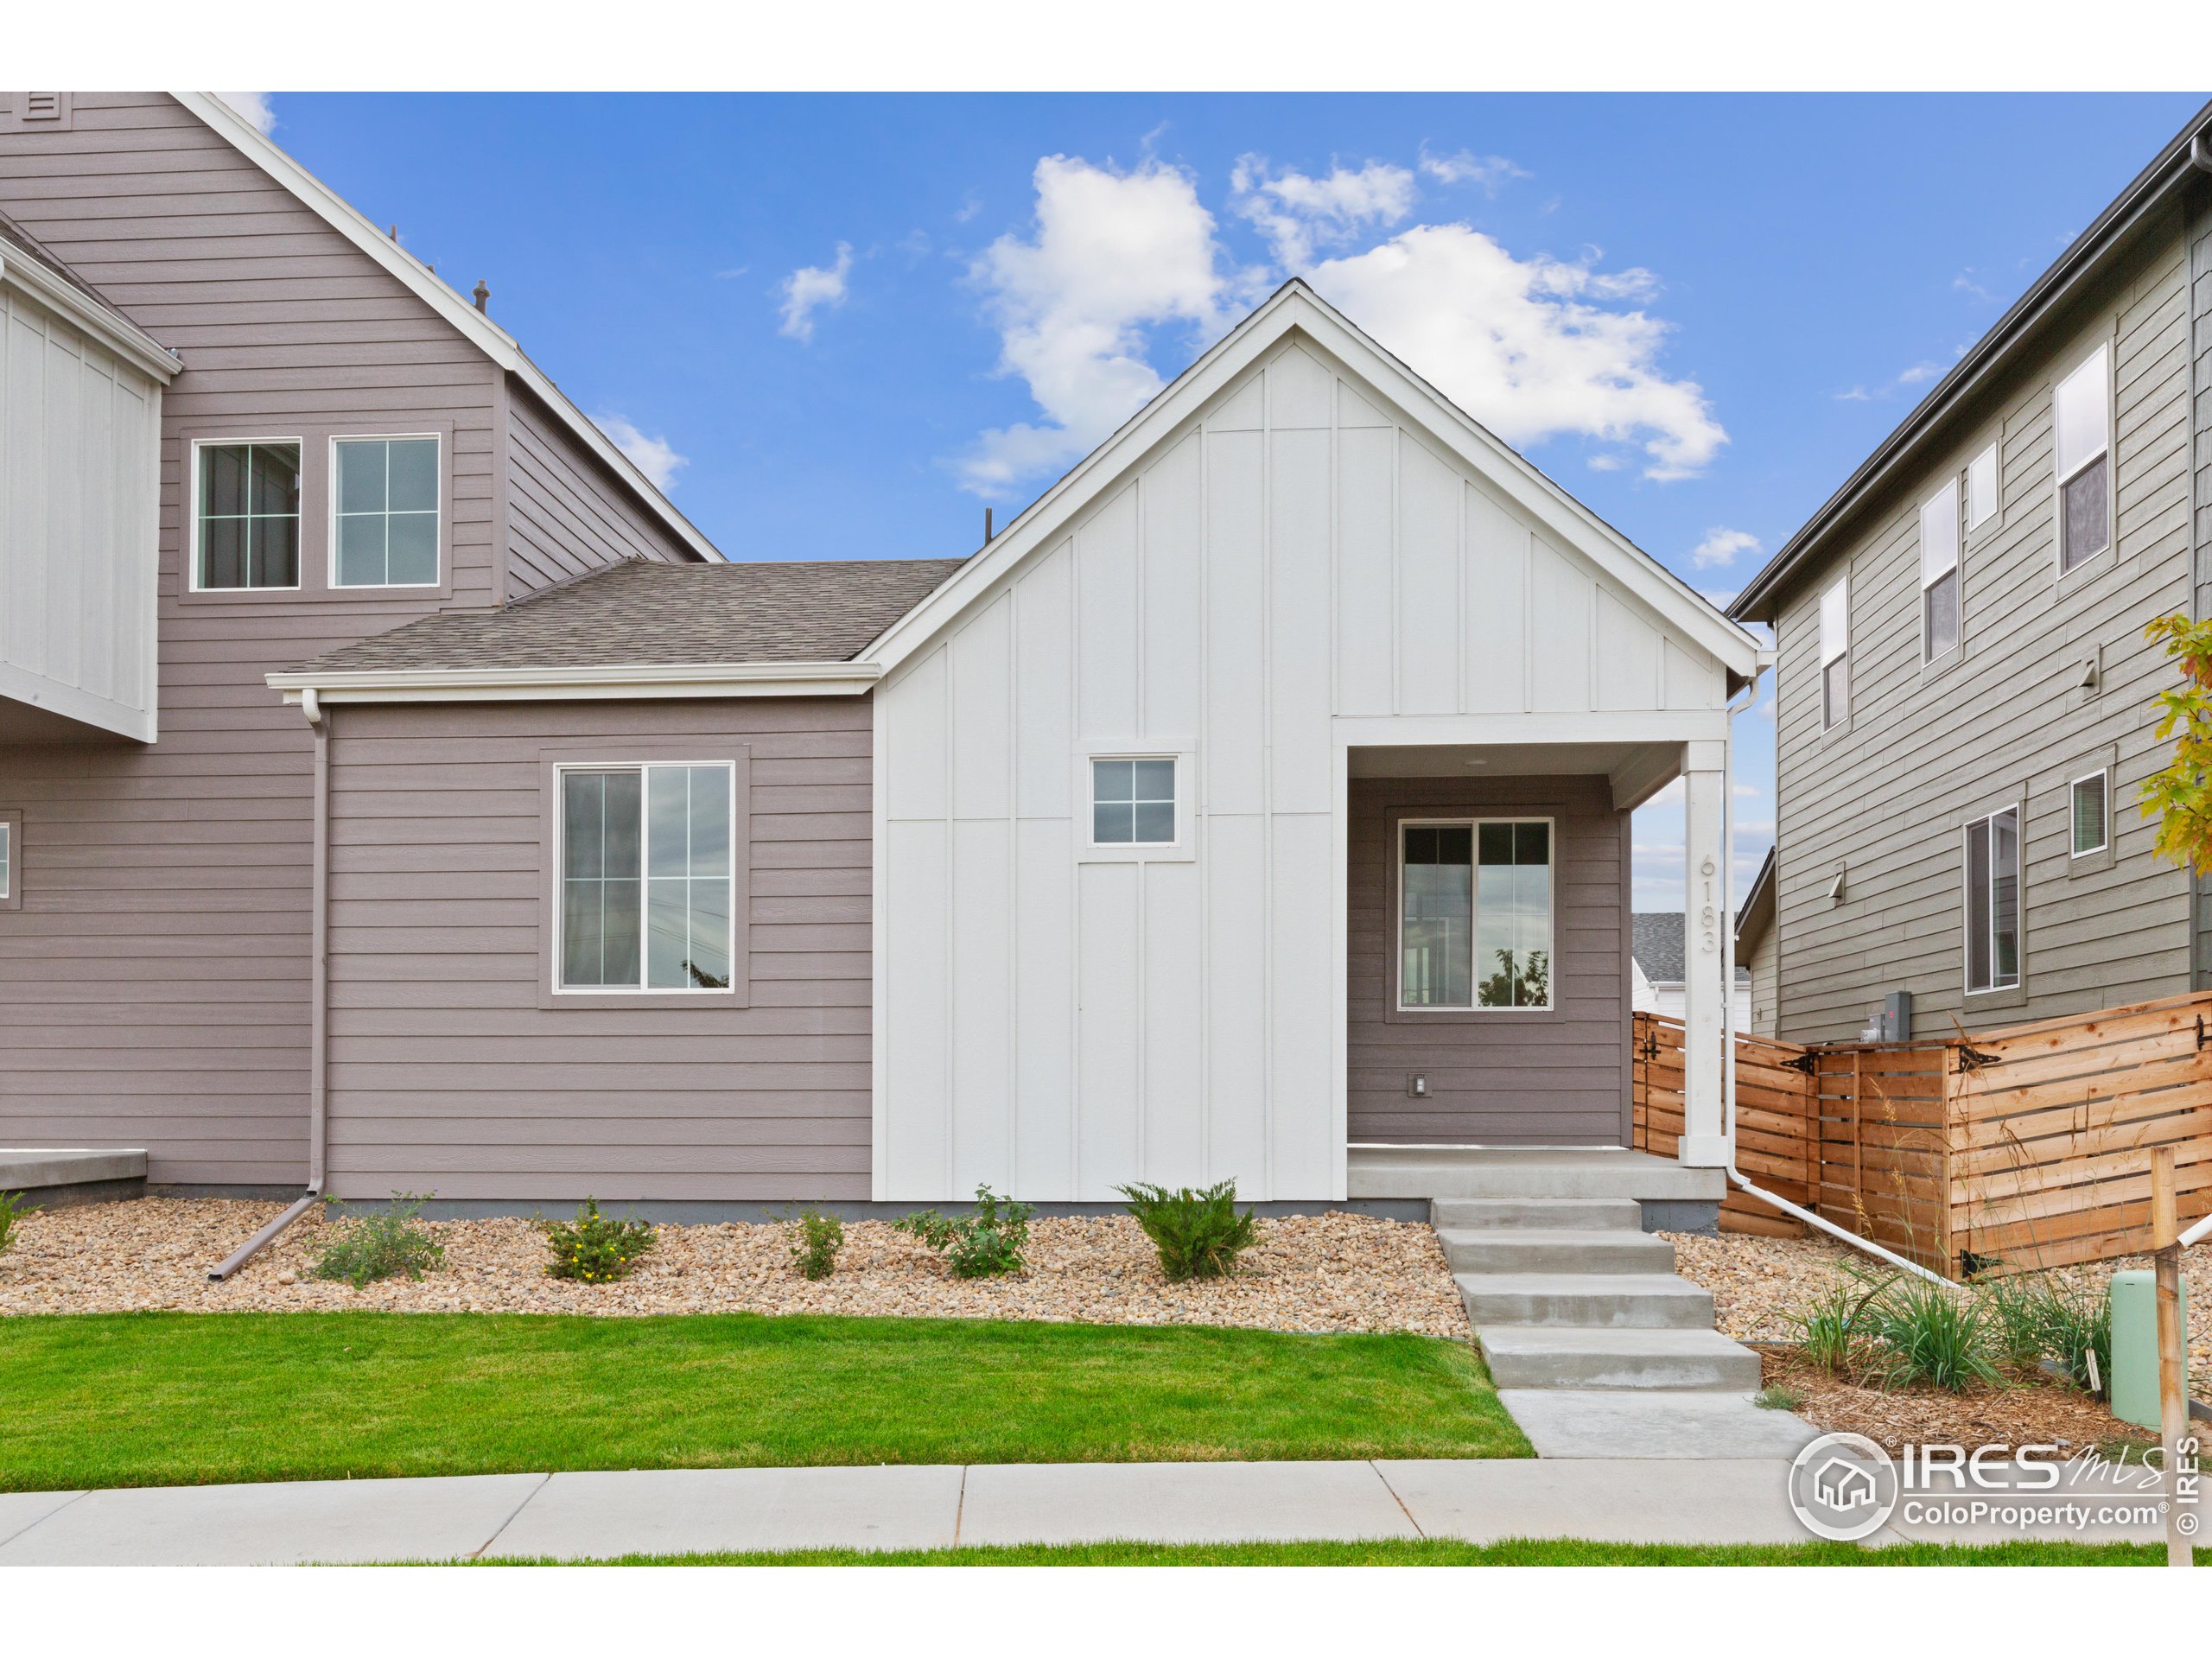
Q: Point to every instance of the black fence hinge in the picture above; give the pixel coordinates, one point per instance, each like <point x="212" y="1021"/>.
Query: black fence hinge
<point x="1809" y="1063"/>
<point x="1973" y="1059"/>
<point x="2200" y="1031"/>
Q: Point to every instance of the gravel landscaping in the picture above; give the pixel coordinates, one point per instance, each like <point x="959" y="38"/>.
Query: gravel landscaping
<point x="1324" y="1274"/>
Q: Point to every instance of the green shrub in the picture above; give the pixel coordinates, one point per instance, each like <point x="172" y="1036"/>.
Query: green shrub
<point x="814" y="1241"/>
<point x="1775" y="1397"/>
<point x="11" y="1212"/>
<point x="596" y="1249"/>
<point x="987" y="1241"/>
<point x="1830" y="1324"/>
<point x="1932" y="1334"/>
<point x="380" y="1244"/>
<point x="2038" y="1316"/>
<point x="1199" y="1234"/>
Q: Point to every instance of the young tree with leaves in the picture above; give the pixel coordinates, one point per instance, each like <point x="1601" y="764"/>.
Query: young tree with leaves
<point x="2181" y="794"/>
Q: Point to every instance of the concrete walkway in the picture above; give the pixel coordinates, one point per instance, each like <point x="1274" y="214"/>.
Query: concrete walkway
<point x="578" y="1517"/>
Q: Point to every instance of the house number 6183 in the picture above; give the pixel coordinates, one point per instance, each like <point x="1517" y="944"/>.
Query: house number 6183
<point x="1708" y="919"/>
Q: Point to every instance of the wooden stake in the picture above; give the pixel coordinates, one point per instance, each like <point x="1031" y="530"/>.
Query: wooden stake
<point x="2173" y="1397"/>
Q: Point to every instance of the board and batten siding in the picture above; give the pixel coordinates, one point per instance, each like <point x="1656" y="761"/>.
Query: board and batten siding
<point x="1053" y="1023"/>
<point x="154" y="983"/>
<point x="1553" y="1077"/>
<point x="447" y="1072"/>
<point x="79" y="445"/>
<point x="2002" y="719"/>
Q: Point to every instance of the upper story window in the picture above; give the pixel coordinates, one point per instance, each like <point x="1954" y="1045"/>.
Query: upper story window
<point x="1939" y="572"/>
<point x="1133" y="803"/>
<point x="1982" y="502"/>
<point x="386" y="512"/>
<point x="246" y="514"/>
<point x="2088" y="814"/>
<point x="1993" y="903"/>
<point x="1835" y="654"/>
<point x="6" y="859"/>
<point x="646" y="877"/>
<point x="2080" y="419"/>
<point x="1475" y="914"/>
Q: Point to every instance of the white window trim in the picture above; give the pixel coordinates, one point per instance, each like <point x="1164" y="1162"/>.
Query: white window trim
<point x="2102" y="355"/>
<point x="2020" y="914"/>
<point x="6" y="859"/>
<point x="1181" y="850"/>
<point x="330" y="573"/>
<point x="1954" y="491"/>
<point x="2104" y="843"/>
<point x="1842" y="650"/>
<point x="1398" y="895"/>
<point x="561" y="770"/>
<point x="192" y="583"/>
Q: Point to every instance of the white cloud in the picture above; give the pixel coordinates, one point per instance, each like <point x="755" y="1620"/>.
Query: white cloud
<point x="653" y="456"/>
<point x="1488" y="173"/>
<point x="1719" y="598"/>
<point x="1747" y="789"/>
<point x="1113" y="255"/>
<point x="809" y="288"/>
<point x="1298" y="213"/>
<point x="1721" y="545"/>
<point x="1964" y="282"/>
<point x="1919" y="373"/>
<point x="254" y="106"/>
<point x="1523" y="345"/>
<point x="1605" y="463"/>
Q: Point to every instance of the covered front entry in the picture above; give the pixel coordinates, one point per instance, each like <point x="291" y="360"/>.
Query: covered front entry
<point x="1487" y="933"/>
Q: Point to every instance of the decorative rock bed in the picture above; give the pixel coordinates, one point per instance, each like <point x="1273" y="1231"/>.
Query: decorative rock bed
<point x="1324" y="1274"/>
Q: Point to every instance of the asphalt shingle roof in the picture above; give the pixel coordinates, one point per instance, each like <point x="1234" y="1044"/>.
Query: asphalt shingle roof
<point x="1656" y="938"/>
<point x="645" y="614"/>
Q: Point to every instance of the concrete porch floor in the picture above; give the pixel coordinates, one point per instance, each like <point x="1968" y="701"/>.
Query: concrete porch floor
<point x="1403" y="1172"/>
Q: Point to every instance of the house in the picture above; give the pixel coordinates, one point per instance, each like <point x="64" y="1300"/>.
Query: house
<point x="1656" y="945"/>
<point x="1757" y="958"/>
<point x="1963" y="694"/>
<point x="1254" y="804"/>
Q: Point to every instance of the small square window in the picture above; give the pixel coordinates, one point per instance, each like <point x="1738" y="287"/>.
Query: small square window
<point x="386" y="511"/>
<point x="2089" y="814"/>
<point x="1133" y="803"/>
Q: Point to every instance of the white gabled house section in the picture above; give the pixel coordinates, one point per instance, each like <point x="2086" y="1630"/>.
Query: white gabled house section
<point x="1297" y="551"/>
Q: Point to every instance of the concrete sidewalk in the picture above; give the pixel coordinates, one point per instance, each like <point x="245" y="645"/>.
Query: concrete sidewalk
<point x="578" y="1517"/>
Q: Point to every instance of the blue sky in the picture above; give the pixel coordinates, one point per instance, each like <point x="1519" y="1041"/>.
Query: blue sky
<point x="857" y="319"/>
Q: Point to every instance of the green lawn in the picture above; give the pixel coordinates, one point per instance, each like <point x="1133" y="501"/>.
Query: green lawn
<point x="180" y="1399"/>
<point x="1438" y="1552"/>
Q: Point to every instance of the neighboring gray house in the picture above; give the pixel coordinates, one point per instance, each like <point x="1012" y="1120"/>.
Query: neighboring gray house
<point x="1660" y="969"/>
<point x="1963" y="701"/>
<point x="1258" y="798"/>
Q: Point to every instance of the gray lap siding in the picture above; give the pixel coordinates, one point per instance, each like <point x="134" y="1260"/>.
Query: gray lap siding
<point x="1553" y="1079"/>
<point x="446" y="1073"/>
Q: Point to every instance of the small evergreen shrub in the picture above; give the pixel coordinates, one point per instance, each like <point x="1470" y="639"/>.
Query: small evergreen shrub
<point x="596" y="1250"/>
<point x="1198" y="1233"/>
<point x="1927" y="1333"/>
<point x="380" y="1244"/>
<point x="11" y="1212"/>
<point x="814" y="1241"/>
<point x="987" y="1241"/>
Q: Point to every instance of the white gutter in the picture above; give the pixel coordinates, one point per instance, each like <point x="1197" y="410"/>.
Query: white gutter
<point x="1728" y="1023"/>
<point x="821" y="679"/>
<point x="125" y="338"/>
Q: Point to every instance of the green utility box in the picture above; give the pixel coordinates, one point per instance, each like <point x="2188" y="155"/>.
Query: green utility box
<point x="2135" y="1346"/>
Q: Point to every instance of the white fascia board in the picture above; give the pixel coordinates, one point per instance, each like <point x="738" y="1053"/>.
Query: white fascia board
<point x="832" y="679"/>
<point x="1294" y="306"/>
<point x="128" y="341"/>
<point x="1619" y="726"/>
<point x="479" y="329"/>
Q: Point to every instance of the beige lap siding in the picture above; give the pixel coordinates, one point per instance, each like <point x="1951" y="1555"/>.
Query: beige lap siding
<point x="1503" y="1079"/>
<point x="447" y="1074"/>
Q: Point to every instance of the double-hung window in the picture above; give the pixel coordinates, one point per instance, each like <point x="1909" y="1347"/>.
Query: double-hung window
<point x="386" y="512"/>
<point x="1993" y="903"/>
<point x="646" y="877"/>
<point x="2081" y="418"/>
<point x="2089" y="814"/>
<point x="245" y="521"/>
<point x="1835" y="654"/>
<point x="1475" y="916"/>
<point x="1939" y="572"/>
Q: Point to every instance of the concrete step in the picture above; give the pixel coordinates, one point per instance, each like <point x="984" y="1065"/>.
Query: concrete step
<point x="1585" y="1215"/>
<point x="1464" y="1173"/>
<point x="1570" y="1356"/>
<point x="1662" y="1423"/>
<point x="1623" y="1300"/>
<point x="1533" y="1249"/>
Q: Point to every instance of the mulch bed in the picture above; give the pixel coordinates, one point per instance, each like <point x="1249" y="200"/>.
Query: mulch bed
<point x="2037" y="1410"/>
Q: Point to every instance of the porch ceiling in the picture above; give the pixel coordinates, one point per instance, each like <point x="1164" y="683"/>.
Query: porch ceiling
<point x="1638" y="770"/>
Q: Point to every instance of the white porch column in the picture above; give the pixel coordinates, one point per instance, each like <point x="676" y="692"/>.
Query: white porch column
<point x="1705" y="781"/>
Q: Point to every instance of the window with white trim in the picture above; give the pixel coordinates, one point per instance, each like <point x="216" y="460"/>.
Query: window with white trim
<point x="1835" y="654"/>
<point x="385" y="512"/>
<point x="1474" y="914"/>
<point x="2080" y="419"/>
<point x="1939" y="572"/>
<point x="1132" y="801"/>
<point x="1981" y="488"/>
<point x="245" y="517"/>
<point x="1992" y="901"/>
<point x="646" y="877"/>
<point x="2088" y="813"/>
<point x="7" y="860"/>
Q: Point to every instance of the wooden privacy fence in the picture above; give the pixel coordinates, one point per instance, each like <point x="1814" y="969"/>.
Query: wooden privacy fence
<point x="2021" y="1147"/>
